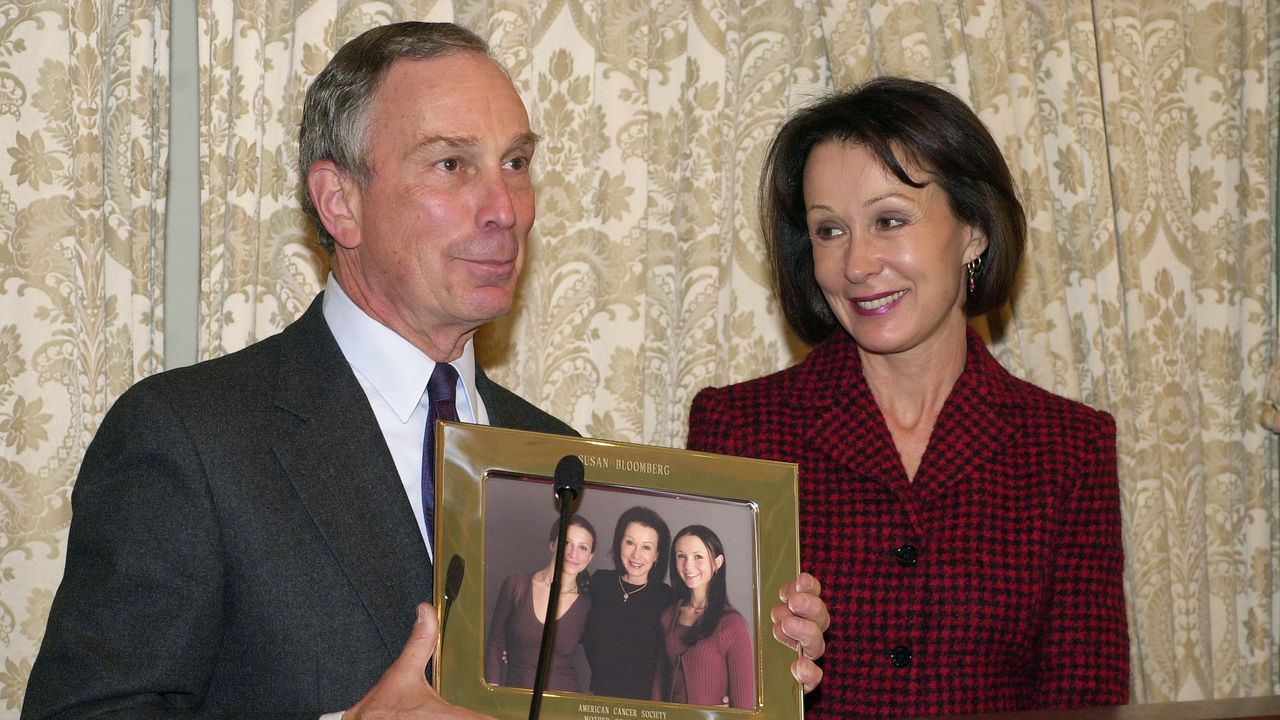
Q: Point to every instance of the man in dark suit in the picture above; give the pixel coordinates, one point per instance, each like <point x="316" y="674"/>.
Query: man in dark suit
<point x="248" y="534"/>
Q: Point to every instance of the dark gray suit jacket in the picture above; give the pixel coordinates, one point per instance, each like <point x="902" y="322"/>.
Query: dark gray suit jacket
<point x="240" y="542"/>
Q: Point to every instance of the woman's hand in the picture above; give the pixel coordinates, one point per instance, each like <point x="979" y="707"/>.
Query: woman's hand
<point x="799" y="620"/>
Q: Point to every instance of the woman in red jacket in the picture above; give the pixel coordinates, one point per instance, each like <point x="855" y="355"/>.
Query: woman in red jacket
<point x="708" y="645"/>
<point x="965" y="524"/>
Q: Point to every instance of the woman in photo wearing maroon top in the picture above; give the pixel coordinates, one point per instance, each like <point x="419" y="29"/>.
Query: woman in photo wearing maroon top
<point x="708" y="658"/>
<point x="515" y="632"/>
<point x="965" y="524"/>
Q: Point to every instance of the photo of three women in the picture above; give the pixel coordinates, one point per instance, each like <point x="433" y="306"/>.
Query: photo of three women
<point x="642" y="638"/>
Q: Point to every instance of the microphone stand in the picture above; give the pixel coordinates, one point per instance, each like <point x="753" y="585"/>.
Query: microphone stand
<point x="568" y="486"/>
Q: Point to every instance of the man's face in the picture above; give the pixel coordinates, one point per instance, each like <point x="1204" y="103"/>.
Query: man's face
<point x="436" y="239"/>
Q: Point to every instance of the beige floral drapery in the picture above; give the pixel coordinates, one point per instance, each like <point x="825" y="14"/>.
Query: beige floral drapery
<point x="1142" y="134"/>
<point x="83" y="117"/>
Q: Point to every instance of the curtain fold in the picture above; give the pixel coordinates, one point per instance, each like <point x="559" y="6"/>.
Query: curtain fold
<point x="84" y="113"/>
<point x="1142" y="135"/>
<point x="653" y="119"/>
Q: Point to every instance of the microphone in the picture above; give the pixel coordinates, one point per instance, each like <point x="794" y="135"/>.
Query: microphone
<point x="568" y="488"/>
<point x="452" y="584"/>
<point x="568" y="478"/>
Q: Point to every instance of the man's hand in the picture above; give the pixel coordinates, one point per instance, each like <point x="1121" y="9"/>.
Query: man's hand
<point x="798" y="622"/>
<point x="403" y="690"/>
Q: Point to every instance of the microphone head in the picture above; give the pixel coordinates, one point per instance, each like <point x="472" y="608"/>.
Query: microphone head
<point x="569" y="476"/>
<point x="453" y="578"/>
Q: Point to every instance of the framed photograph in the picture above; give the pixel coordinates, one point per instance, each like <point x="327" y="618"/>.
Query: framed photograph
<point x="673" y="561"/>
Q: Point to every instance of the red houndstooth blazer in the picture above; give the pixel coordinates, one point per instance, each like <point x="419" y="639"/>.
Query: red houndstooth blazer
<point x="992" y="582"/>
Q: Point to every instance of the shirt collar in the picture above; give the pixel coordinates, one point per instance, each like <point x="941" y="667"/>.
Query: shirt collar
<point x="396" y="369"/>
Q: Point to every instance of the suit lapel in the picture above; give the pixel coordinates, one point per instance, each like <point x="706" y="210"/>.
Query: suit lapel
<point x="852" y="431"/>
<point x="972" y="428"/>
<point x="333" y="453"/>
<point x="847" y="424"/>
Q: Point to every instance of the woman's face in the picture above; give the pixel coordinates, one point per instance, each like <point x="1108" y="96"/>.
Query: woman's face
<point x="890" y="258"/>
<point x="578" y="550"/>
<point x="639" y="551"/>
<point x="694" y="563"/>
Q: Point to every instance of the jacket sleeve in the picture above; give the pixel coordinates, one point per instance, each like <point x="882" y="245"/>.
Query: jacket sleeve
<point x="495" y="646"/>
<point x="662" y="673"/>
<point x="708" y="431"/>
<point x="135" y="624"/>
<point x="739" y="662"/>
<point x="1084" y="649"/>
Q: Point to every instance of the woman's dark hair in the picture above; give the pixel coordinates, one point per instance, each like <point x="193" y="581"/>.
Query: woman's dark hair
<point x="901" y="121"/>
<point x="575" y="521"/>
<point x="643" y="516"/>
<point x="717" y="588"/>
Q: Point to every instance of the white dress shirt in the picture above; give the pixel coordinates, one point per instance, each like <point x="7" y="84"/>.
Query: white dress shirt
<point x="394" y="374"/>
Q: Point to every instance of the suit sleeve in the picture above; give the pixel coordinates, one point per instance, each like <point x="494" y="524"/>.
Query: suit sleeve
<point x="135" y="623"/>
<point x="1084" y="653"/>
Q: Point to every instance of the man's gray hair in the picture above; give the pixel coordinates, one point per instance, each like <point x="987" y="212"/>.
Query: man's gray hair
<point x="335" y="114"/>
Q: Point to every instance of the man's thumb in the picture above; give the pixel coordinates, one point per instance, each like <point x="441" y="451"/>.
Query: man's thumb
<point x="422" y="639"/>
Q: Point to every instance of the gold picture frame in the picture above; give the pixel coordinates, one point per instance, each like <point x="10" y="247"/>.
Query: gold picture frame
<point x="495" y="505"/>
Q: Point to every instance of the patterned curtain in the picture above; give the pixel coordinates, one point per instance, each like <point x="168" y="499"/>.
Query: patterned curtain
<point x="83" y="117"/>
<point x="1143" y="135"/>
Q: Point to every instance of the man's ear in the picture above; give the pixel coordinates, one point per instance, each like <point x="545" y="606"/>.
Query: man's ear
<point x="337" y="201"/>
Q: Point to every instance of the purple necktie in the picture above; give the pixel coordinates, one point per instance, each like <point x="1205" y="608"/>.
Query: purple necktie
<point x="441" y="405"/>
